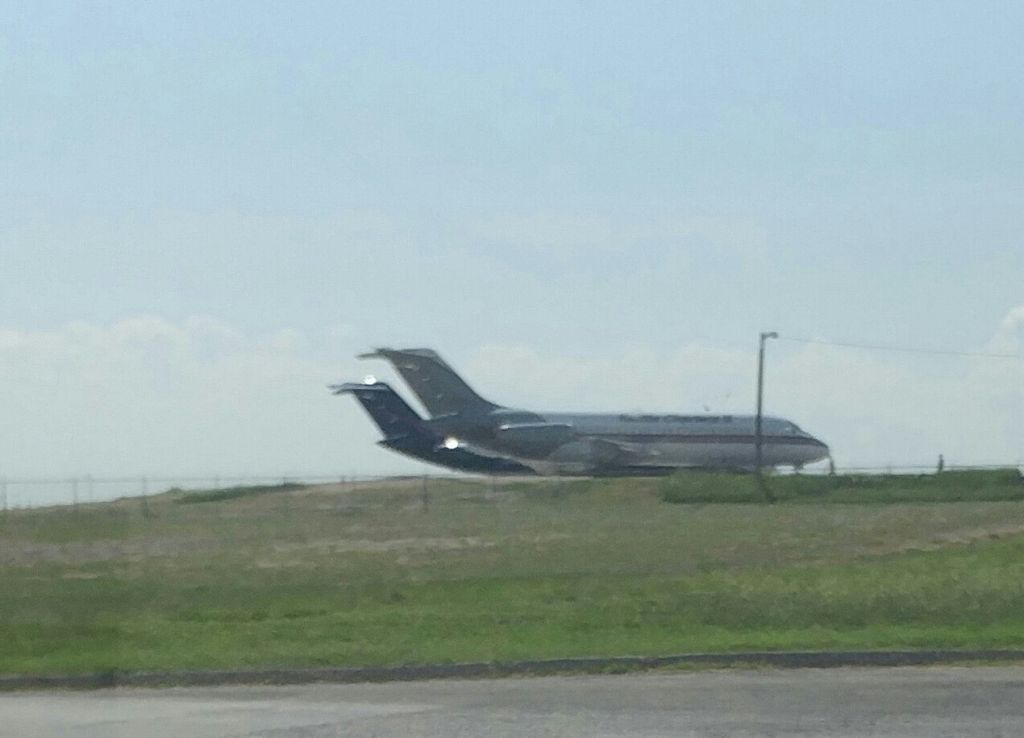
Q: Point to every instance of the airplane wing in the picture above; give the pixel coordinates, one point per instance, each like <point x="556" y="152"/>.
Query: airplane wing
<point x="536" y="434"/>
<point x="618" y="452"/>
<point x="542" y="439"/>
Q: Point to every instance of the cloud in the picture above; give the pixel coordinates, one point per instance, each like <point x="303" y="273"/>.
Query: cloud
<point x="1009" y="337"/>
<point x="151" y="396"/>
<point x="639" y="378"/>
<point x="199" y="396"/>
<point x="873" y="408"/>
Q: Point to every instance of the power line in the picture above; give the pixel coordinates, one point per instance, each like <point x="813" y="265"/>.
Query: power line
<point x="901" y="349"/>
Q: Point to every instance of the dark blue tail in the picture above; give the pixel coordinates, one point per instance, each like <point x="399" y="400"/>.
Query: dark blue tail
<point x="386" y="407"/>
<point x="406" y="432"/>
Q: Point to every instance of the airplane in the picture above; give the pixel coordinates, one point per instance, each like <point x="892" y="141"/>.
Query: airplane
<point x="405" y="432"/>
<point x="592" y="444"/>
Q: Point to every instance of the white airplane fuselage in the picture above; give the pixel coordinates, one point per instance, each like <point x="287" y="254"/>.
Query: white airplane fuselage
<point x="585" y="443"/>
<point x="593" y="443"/>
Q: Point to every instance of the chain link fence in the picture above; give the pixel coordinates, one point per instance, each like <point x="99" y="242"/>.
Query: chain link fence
<point x="33" y="492"/>
<point x="29" y="492"/>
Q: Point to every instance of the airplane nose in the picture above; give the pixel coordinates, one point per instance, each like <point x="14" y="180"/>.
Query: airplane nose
<point x="820" y="449"/>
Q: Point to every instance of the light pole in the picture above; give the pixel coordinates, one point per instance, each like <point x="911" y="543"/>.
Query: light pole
<point x="757" y="418"/>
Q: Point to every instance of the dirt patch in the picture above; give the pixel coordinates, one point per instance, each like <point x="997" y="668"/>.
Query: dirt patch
<point x="406" y="548"/>
<point x="31" y="553"/>
<point x="953" y="538"/>
<point x="342" y="545"/>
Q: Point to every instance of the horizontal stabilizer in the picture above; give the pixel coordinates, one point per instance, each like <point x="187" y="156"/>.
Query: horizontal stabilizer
<point x="357" y="387"/>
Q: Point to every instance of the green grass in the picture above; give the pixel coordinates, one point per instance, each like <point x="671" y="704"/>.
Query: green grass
<point x="231" y="493"/>
<point x="949" y="486"/>
<point x="522" y="570"/>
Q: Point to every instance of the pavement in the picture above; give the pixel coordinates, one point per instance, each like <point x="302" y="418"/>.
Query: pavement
<point x="894" y="702"/>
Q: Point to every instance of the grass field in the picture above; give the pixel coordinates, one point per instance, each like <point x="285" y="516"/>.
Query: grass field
<point x="522" y="569"/>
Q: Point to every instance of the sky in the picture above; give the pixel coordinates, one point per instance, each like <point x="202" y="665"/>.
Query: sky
<point x="207" y="209"/>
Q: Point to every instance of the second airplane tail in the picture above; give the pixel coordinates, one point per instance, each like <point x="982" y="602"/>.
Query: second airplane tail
<point x="386" y="407"/>
<point x="439" y="388"/>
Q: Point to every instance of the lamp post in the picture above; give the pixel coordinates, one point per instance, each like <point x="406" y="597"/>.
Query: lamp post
<point x="757" y="418"/>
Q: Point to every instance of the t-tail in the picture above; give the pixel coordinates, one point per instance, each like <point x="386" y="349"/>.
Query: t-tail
<point x="438" y="387"/>
<point x="386" y="407"/>
<point x="407" y="433"/>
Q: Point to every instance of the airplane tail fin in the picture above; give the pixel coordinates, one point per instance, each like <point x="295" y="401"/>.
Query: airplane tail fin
<point x="386" y="407"/>
<point x="439" y="388"/>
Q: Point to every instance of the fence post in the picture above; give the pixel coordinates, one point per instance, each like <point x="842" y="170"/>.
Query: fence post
<point x="74" y="494"/>
<point x="425" y="494"/>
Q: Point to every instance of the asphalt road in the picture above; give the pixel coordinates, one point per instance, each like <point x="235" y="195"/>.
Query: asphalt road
<point x="896" y="702"/>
